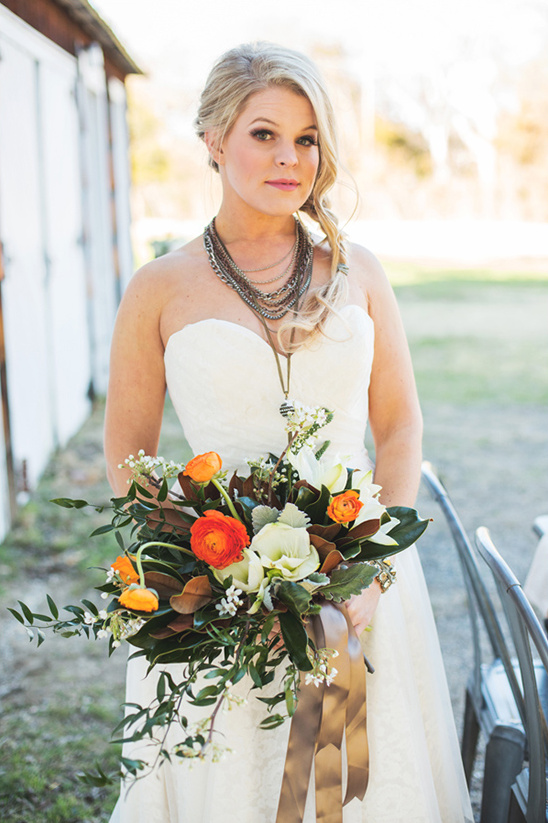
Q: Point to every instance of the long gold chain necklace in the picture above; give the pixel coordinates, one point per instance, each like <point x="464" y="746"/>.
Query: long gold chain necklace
<point x="266" y="305"/>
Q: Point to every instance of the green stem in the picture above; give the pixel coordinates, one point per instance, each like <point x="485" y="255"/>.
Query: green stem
<point x="154" y="543"/>
<point x="229" y="502"/>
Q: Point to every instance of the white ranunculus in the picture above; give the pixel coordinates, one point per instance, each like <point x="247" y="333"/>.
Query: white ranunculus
<point x="286" y="550"/>
<point x="247" y="574"/>
<point x="322" y="472"/>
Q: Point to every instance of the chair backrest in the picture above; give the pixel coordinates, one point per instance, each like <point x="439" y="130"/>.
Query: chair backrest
<point x="526" y="633"/>
<point x="482" y="611"/>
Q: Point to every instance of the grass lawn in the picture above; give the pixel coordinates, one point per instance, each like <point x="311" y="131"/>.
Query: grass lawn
<point x="478" y="341"/>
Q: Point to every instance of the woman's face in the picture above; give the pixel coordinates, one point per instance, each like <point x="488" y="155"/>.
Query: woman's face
<point x="269" y="159"/>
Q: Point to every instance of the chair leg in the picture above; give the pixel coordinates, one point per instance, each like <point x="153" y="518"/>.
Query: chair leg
<point x="503" y="760"/>
<point x="470" y="733"/>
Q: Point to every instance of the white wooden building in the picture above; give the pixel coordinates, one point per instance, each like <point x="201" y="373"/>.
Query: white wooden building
<point x="65" y="252"/>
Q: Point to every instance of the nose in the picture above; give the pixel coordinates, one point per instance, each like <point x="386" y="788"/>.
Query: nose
<point x="287" y="154"/>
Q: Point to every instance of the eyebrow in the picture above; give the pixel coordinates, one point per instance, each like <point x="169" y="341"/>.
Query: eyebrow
<point x="273" y="123"/>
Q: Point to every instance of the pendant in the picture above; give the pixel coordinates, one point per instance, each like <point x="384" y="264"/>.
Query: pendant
<point x="286" y="408"/>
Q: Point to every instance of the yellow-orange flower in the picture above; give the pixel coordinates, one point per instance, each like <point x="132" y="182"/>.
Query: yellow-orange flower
<point x="139" y="599"/>
<point x="345" y="507"/>
<point x="203" y="467"/>
<point x="125" y="569"/>
<point x="218" y="539"/>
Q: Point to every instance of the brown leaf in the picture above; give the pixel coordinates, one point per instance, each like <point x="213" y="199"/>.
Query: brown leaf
<point x="327" y="532"/>
<point x="187" y="487"/>
<point x="165" y="585"/>
<point x="181" y="622"/>
<point x="305" y="484"/>
<point x="161" y="634"/>
<point x="196" y="593"/>
<point x="361" y="532"/>
<point x="323" y="547"/>
<point x="331" y="561"/>
<point x="171" y="520"/>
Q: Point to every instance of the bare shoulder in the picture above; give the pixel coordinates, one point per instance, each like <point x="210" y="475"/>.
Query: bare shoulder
<point x="367" y="274"/>
<point x="156" y="281"/>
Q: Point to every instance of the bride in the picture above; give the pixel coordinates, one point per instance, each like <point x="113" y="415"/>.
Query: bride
<point x="255" y="312"/>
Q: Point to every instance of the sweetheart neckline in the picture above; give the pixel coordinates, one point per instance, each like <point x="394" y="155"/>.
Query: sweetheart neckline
<point x="250" y="332"/>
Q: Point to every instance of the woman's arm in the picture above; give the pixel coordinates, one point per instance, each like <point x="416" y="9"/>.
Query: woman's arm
<point x="136" y="391"/>
<point x="394" y="412"/>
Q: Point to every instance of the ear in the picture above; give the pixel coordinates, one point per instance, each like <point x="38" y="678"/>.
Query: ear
<point x="211" y="139"/>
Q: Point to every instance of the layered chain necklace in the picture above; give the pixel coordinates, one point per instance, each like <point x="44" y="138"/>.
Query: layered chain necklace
<point x="267" y="305"/>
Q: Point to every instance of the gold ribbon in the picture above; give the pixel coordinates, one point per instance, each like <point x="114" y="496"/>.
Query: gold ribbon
<point x="324" y="716"/>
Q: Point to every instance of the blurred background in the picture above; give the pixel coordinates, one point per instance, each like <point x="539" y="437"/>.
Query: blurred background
<point x="442" y="112"/>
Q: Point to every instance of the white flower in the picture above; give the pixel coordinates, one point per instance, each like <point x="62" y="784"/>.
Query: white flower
<point x="322" y="472"/>
<point x="104" y="595"/>
<point x="229" y="604"/>
<point x="368" y="491"/>
<point x="102" y="633"/>
<point x="103" y="614"/>
<point x="89" y="619"/>
<point x="382" y="536"/>
<point x="246" y="575"/>
<point x="287" y="550"/>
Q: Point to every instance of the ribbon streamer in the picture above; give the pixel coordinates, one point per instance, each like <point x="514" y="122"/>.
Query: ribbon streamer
<point x="325" y="715"/>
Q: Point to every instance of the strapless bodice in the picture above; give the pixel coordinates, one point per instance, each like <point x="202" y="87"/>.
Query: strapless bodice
<point x="224" y="385"/>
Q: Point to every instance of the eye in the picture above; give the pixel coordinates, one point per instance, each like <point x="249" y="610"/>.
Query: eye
<point x="262" y="134"/>
<point x="307" y="140"/>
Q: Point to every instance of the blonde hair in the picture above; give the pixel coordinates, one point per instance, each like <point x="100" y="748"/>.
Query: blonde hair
<point x="244" y="71"/>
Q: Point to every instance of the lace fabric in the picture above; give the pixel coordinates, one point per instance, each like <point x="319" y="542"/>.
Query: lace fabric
<point x="227" y="401"/>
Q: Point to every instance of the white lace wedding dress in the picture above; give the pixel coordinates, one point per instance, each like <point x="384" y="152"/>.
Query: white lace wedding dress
<point x="224" y="384"/>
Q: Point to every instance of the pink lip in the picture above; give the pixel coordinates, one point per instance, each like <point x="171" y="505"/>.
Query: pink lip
<point x="283" y="185"/>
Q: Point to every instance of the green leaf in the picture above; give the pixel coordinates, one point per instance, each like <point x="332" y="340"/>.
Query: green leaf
<point x="295" y="596"/>
<point x="91" y="606"/>
<point x="27" y="612"/>
<point x="17" y="616"/>
<point x="272" y="721"/>
<point x="295" y="639"/>
<point x="255" y="676"/>
<point x="349" y="581"/>
<point x="120" y="541"/>
<point x="317" y="510"/>
<point x="162" y="492"/>
<point x="67" y="503"/>
<point x="52" y="607"/>
<point x="408" y="530"/>
<point x="102" y="530"/>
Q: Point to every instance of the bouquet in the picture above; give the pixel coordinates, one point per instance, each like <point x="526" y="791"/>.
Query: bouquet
<point x="226" y="575"/>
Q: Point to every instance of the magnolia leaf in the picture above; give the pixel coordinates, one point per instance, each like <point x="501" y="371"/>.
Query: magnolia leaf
<point x="196" y="593"/>
<point x="327" y="532"/>
<point x="261" y="515"/>
<point x="165" y="585"/>
<point x="294" y="517"/>
<point x="295" y="640"/>
<point x="295" y="596"/>
<point x="323" y="547"/>
<point x="171" y="520"/>
<point x="346" y="582"/>
<point x="331" y="561"/>
<point x="410" y="527"/>
<point x="318" y="508"/>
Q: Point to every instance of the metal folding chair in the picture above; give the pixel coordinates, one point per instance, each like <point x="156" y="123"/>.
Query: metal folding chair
<point x="494" y="701"/>
<point x="529" y="792"/>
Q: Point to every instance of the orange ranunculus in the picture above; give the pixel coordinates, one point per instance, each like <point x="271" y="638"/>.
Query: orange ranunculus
<point x="345" y="507"/>
<point x="139" y="599"/>
<point x="218" y="539"/>
<point x="125" y="569"/>
<point x="203" y="467"/>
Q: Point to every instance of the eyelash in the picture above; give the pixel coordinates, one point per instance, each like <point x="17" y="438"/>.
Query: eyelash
<point x="310" y="141"/>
